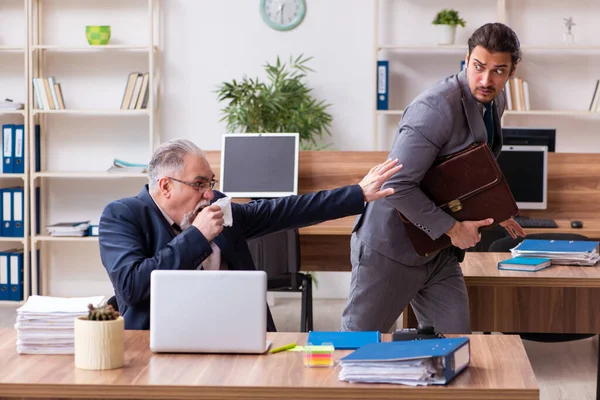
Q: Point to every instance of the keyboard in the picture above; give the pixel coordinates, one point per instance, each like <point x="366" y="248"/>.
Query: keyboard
<point x="536" y="222"/>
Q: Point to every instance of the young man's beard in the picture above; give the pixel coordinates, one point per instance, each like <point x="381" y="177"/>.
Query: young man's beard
<point x="189" y="216"/>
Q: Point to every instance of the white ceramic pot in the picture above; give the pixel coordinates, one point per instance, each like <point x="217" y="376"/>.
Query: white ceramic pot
<point x="446" y="34"/>
<point x="99" y="344"/>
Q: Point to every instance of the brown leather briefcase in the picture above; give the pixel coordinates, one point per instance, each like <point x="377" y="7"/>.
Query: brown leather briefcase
<point x="468" y="185"/>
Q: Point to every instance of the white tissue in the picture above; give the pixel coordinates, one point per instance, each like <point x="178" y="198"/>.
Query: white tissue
<point x="225" y="204"/>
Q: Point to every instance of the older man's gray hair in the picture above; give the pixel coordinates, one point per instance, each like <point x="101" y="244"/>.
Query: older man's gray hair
<point x="168" y="159"/>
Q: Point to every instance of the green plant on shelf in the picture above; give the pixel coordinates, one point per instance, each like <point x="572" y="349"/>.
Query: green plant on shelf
<point x="449" y="16"/>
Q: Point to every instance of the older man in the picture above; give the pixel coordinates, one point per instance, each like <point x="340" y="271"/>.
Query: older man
<point x="171" y="224"/>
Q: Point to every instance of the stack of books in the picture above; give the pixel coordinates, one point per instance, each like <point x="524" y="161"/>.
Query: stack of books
<point x="79" y="228"/>
<point x="414" y="363"/>
<point x="563" y="252"/>
<point x="45" y="325"/>
<point x="137" y="91"/>
<point x="48" y="93"/>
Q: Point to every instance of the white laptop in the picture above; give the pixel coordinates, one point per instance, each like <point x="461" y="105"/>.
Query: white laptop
<point x="208" y="311"/>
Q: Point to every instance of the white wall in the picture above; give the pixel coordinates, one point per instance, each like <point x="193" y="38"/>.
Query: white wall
<point x="207" y="42"/>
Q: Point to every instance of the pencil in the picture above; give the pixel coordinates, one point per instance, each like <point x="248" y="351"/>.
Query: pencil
<point x="283" y="348"/>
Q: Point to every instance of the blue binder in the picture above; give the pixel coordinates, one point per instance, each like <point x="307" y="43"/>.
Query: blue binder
<point x="16" y="275"/>
<point x="343" y="340"/>
<point x="4" y="277"/>
<point x="7" y="149"/>
<point x="19" y="149"/>
<point x="382" y="84"/>
<point x="18" y="206"/>
<point x="557" y="246"/>
<point x="37" y="149"/>
<point x="7" y="212"/>
<point x="455" y="354"/>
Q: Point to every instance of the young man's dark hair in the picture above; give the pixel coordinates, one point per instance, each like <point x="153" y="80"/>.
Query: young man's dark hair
<point x="497" y="38"/>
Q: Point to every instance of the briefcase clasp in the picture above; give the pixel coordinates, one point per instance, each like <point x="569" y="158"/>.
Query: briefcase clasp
<point x="455" y="205"/>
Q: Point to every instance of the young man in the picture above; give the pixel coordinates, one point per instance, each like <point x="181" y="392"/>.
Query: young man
<point x="171" y="224"/>
<point x="387" y="273"/>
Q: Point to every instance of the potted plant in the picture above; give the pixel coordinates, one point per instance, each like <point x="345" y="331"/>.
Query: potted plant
<point x="282" y="104"/>
<point x="446" y="21"/>
<point x="99" y="339"/>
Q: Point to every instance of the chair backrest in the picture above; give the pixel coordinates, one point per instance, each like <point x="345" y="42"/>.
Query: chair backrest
<point x="504" y="245"/>
<point x="277" y="253"/>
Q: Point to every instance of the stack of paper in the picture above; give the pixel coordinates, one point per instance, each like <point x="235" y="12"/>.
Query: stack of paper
<point x="564" y="252"/>
<point x="414" y="363"/>
<point x="45" y="325"/>
<point x="79" y="228"/>
<point x="8" y="105"/>
<point x="124" y="166"/>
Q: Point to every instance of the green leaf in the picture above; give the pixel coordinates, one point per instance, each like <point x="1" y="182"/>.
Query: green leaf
<point x="281" y="104"/>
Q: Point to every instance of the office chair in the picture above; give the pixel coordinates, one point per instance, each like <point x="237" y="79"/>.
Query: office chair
<point x="504" y="245"/>
<point x="278" y="254"/>
<point x="489" y="236"/>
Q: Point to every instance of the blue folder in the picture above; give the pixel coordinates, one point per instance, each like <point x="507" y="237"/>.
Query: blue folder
<point x="343" y="340"/>
<point x="557" y="246"/>
<point x="455" y="353"/>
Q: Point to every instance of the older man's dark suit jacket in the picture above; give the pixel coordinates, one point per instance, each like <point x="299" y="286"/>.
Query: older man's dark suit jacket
<point x="135" y="239"/>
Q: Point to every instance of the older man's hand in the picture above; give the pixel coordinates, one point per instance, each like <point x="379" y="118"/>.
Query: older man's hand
<point x="372" y="182"/>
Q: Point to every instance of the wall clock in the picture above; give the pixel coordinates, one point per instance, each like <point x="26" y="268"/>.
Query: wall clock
<point x="283" y="15"/>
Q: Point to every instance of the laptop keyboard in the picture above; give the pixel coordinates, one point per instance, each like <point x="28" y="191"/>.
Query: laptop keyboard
<point x="536" y="222"/>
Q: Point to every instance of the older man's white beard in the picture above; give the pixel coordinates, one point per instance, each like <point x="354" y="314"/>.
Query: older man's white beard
<point x="189" y="217"/>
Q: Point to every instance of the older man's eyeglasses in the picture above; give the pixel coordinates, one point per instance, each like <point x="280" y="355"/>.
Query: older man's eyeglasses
<point x="197" y="185"/>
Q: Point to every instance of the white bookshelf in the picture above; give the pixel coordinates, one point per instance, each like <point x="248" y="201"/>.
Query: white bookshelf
<point x="47" y="53"/>
<point x="17" y="51"/>
<point x="47" y="238"/>
<point x="574" y="113"/>
<point x="89" y="175"/>
<point x="539" y="50"/>
<point x="104" y="112"/>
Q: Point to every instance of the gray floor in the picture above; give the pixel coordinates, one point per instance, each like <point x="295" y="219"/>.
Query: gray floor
<point x="564" y="371"/>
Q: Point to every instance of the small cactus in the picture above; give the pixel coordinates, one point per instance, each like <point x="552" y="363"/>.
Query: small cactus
<point x="104" y="313"/>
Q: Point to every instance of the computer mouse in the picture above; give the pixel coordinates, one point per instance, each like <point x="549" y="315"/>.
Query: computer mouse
<point x="576" y="224"/>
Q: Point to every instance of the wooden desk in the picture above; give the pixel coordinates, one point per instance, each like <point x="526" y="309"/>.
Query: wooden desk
<point x="326" y="246"/>
<point x="499" y="370"/>
<point x="573" y="182"/>
<point x="559" y="299"/>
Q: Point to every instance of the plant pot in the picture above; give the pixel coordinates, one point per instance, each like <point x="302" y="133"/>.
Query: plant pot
<point x="446" y="34"/>
<point x="99" y="345"/>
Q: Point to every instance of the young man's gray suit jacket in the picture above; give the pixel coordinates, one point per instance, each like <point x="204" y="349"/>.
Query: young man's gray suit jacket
<point x="440" y="121"/>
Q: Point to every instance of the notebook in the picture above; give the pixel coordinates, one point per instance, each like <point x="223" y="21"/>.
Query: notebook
<point x="530" y="264"/>
<point x="343" y="340"/>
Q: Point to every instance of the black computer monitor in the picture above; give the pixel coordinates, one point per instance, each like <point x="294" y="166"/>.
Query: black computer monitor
<point x="259" y="165"/>
<point x="526" y="171"/>
<point x="521" y="136"/>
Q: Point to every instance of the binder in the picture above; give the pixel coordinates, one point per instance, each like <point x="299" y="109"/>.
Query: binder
<point x="19" y="141"/>
<point x="7" y="224"/>
<point x="37" y="267"/>
<point x="452" y="355"/>
<point x="18" y="203"/>
<point x="343" y="340"/>
<point x="37" y="149"/>
<point x="382" y="84"/>
<point x="7" y="149"/>
<point x="4" y="277"/>
<point x="16" y="275"/>
<point x="557" y="246"/>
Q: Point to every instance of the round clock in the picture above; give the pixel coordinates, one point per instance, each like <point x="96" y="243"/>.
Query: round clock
<point x="283" y="15"/>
